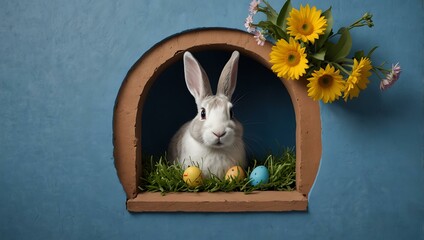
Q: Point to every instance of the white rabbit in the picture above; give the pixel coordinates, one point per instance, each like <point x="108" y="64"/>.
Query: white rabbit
<point x="213" y="140"/>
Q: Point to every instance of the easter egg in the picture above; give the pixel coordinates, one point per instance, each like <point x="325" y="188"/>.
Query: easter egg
<point x="259" y="175"/>
<point x="236" y="172"/>
<point x="192" y="176"/>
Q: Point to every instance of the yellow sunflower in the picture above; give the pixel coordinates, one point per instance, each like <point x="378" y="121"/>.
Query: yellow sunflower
<point x="306" y="24"/>
<point x="358" y="79"/>
<point x="288" y="59"/>
<point x="325" y="84"/>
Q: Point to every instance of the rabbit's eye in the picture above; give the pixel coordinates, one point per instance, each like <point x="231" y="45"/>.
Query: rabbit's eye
<point x="231" y="113"/>
<point x="203" y="114"/>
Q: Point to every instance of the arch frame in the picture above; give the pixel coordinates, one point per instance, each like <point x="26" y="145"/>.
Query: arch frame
<point x="127" y="129"/>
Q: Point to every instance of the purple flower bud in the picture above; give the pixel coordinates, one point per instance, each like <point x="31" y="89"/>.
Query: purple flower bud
<point x="253" y="8"/>
<point x="260" y="38"/>
<point x="391" y="77"/>
<point x="248" y="24"/>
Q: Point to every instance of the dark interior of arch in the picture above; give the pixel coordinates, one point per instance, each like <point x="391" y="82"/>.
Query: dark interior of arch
<point x="261" y="103"/>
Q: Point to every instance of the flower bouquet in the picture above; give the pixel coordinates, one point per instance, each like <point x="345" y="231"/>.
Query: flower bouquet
<point x="306" y="46"/>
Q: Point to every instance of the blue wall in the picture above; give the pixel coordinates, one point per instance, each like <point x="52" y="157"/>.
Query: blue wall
<point x="62" y="63"/>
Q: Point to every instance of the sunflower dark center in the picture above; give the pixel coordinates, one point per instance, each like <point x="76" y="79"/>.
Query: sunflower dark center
<point x="306" y="28"/>
<point x="293" y="58"/>
<point x="325" y="81"/>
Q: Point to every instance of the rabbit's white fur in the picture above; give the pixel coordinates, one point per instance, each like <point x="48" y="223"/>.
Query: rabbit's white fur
<point x="213" y="140"/>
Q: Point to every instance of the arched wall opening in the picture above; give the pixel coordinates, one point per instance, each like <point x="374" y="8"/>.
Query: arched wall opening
<point x="128" y="130"/>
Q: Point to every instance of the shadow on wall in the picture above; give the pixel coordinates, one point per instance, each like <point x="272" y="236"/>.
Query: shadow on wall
<point x="261" y="104"/>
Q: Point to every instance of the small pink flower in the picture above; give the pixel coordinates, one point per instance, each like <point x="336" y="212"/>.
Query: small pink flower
<point x="260" y="39"/>
<point x="253" y="8"/>
<point x="391" y="77"/>
<point x="248" y="24"/>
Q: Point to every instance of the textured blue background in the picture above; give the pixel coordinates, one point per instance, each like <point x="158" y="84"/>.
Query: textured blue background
<point x="61" y="65"/>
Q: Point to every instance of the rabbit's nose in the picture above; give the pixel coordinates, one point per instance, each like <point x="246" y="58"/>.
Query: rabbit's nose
<point x="219" y="134"/>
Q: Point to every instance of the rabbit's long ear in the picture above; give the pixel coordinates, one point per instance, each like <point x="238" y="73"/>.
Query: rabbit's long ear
<point x="228" y="79"/>
<point x="196" y="79"/>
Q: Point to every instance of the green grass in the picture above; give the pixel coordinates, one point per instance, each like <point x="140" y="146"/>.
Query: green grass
<point x="161" y="176"/>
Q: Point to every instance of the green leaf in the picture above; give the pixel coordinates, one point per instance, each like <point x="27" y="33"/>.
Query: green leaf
<point x="278" y="33"/>
<point x="273" y="30"/>
<point x="371" y="51"/>
<point x="271" y="14"/>
<point x="359" y="54"/>
<point x="323" y="38"/>
<point x="342" y="48"/>
<point x="320" y="55"/>
<point x="283" y="15"/>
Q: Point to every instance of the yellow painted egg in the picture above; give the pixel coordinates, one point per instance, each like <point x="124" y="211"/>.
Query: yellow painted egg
<point x="236" y="172"/>
<point x="193" y="176"/>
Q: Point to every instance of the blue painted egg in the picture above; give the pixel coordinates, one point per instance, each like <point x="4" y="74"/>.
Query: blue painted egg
<point x="259" y="175"/>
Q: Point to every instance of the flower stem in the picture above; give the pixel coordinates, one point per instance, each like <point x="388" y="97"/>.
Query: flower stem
<point x="381" y="69"/>
<point x="365" y="20"/>
<point x="376" y="73"/>
<point x="347" y="60"/>
<point x="341" y="68"/>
